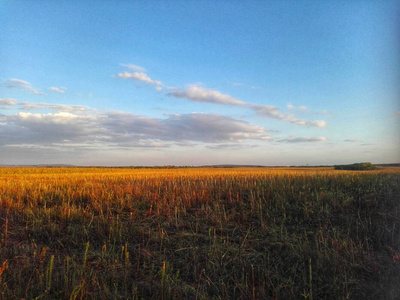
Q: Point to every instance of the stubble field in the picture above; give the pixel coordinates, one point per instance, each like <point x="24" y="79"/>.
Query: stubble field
<point x="199" y="233"/>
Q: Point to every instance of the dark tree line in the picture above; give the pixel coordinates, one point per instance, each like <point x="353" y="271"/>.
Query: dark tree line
<point x="356" y="166"/>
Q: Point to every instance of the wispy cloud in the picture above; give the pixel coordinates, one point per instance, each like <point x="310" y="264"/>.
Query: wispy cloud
<point x="303" y="139"/>
<point x="242" y="85"/>
<point x="139" y="76"/>
<point x="231" y="146"/>
<point x="275" y="113"/>
<point x="60" y="90"/>
<point x="27" y="106"/>
<point x="200" y="94"/>
<point x="359" y="142"/>
<point x="20" y="84"/>
<point x="298" y="108"/>
<point x="305" y="109"/>
<point x="133" y="67"/>
<point x="7" y="101"/>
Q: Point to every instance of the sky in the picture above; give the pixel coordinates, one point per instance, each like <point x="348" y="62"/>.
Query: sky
<point x="148" y="83"/>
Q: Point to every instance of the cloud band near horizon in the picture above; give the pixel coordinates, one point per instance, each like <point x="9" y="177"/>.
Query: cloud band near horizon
<point x="85" y="127"/>
<point x="78" y="124"/>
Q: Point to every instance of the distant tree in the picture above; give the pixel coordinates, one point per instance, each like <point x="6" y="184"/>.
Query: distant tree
<point x="356" y="166"/>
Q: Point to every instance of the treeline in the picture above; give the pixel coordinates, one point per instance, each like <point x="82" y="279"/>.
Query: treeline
<point x="356" y="166"/>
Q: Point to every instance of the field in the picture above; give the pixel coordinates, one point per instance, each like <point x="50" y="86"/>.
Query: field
<point x="199" y="233"/>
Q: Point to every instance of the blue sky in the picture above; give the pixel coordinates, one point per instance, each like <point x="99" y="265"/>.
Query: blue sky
<point x="199" y="82"/>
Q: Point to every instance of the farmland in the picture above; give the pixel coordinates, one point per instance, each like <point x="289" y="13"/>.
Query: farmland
<point x="199" y="233"/>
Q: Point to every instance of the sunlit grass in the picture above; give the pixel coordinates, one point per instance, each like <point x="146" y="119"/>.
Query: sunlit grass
<point x="233" y="233"/>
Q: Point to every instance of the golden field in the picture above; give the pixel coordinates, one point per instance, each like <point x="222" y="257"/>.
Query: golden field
<point x="199" y="233"/>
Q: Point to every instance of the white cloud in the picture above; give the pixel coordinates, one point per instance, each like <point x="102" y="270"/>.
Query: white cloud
<point x="26" y="106"/>
<point x="7" y="101"/>
<point x="18" y="81"/>
<point x="197" y="93"/>
<point x="50" y="118"/>
<point x="303" y="139"/>
<point x="298" y="108"/>
<point x="19" y="84"/>
<point x="276" y="113"/>
<point x="232" y="146"/>
<point x="195" y="127"/>
<point x="60" y="90"/>
<point x="269" y="110"/>
<point x="139" y="76"/>
<point x="211" y="128"/>
<point x="46" y="129"/>
<point x="242" y="85"/>
<point x="316" y="123"/>
<point x="100" y="130"/>
<point x="133" y="67"/>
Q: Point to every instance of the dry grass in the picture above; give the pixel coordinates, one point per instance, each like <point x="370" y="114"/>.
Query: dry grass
<point x="202" y="233"/>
